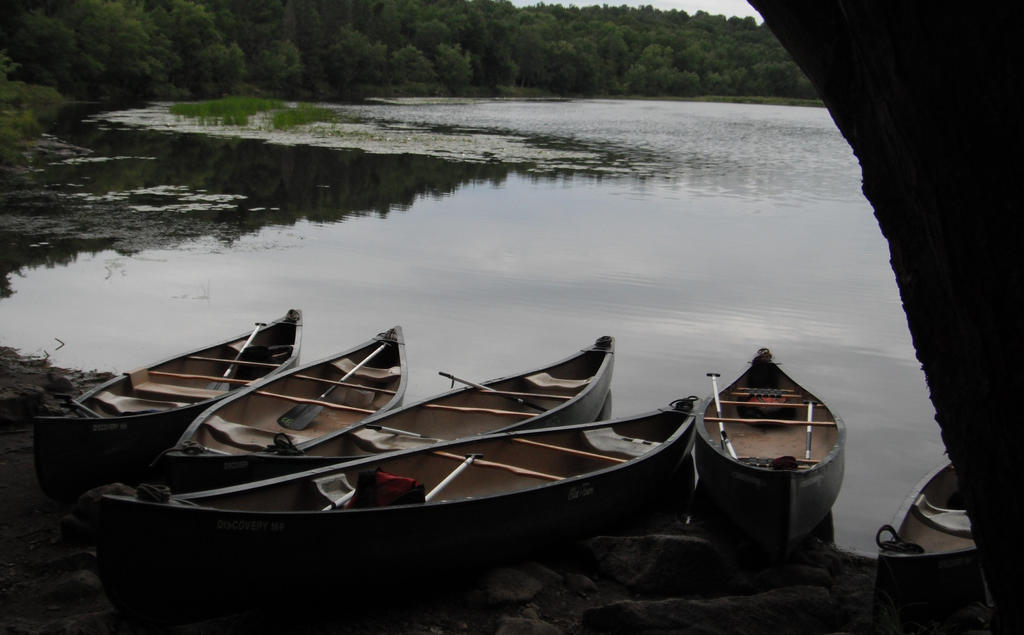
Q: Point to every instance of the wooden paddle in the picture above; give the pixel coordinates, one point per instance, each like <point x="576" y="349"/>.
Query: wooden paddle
<point x="231" y="367"/>
<point x="300" y="416"/>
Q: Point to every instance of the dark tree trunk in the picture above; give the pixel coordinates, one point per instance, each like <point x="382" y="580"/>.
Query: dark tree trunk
<point x="930" y="98"/>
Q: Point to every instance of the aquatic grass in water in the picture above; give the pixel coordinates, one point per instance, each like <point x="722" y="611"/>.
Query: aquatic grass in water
<point x="301" y="115"/>
<point x="228" y="111"/>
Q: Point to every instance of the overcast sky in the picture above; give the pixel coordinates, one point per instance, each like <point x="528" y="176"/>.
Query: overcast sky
<point x="727" y="8"/>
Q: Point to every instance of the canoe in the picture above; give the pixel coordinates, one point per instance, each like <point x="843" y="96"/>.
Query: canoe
<point x="301" y="405"/>
<point x="115" y="431"/>
<point x="928" y="564"/>
<point x="781" y="476"/>
<point x="572" y="390"/>
<point x="295" y="537"/>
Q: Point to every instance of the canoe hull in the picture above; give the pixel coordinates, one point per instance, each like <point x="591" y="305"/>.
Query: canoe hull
<point x="591" y="404"/>
<point x="236" y="559"/>
<point x="188" y="471"/>
<point x="76" y="453"/>
<point x="921" y="588"/>
<point x="917" y="588"/>
<point x="775" y="508"/>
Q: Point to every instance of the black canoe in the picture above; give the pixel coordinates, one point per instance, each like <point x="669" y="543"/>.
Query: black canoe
<point x="774" y="490"/>
<point x="928" y="564"/>
<point x="294" y="539"/>
<point x="330" y="394"/>
<point x="115" y="431"/>
<point x="572" y="390"/>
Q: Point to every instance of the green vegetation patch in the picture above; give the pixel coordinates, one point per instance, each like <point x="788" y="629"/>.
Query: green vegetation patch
<point x="235" y="111"/>
<point x="20" y="104"/>
<point x="301" y="115"/>
<point x="228" y="111"/>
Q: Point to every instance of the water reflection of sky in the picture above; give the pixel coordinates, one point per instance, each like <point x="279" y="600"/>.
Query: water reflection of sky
<point x="691" y="271"/>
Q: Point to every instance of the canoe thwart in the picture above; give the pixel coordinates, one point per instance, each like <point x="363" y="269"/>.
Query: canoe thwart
<point x="782" y="422"/>
<point x="346" y="384"/>
<point x="583" y="453"/>
<point x="314" y="402"/>
<point x="491" y="411"/>
<point x="501" y="466"/>
<point x="226" y="380"/>
<point x="238" y="362"/>
<point x="764" y="392"/>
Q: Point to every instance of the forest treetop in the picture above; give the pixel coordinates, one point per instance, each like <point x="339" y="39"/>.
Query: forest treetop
<point x="337" y="49"/>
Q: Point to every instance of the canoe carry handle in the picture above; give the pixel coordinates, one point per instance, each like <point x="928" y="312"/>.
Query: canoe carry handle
<point x="518" y="400"/>
<point x="725" y="442"/>
<point x="231" y="367"/>
<point x="299" y="417"/>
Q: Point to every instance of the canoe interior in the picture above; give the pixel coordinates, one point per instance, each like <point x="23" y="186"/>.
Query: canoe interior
<point x="197" y="376"/>
<point x="469" y="411"/>
<point x="507" y="463"/>
<point x="918" y="588"/>
<point x="942" y="491"/>
<point x="250" y="422"/>
<point x="773" y="411"/>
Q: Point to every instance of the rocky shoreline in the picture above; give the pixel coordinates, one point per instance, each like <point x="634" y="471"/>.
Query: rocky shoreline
<point x="678" y="569"/>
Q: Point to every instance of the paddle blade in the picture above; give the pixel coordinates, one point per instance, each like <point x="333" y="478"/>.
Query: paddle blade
<point x="299" y="417"/>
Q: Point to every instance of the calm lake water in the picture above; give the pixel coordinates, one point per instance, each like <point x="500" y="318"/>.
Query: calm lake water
<point x="500" y="235"/>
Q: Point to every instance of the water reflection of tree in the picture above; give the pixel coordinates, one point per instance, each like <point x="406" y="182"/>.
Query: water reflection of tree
<point x="82" y="206"/>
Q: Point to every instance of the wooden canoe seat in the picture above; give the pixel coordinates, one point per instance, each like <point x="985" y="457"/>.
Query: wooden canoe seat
<point x="181" y="393"/>
<point x="122" y="405"/>
<point x="607" y="440"/>
<point x="369" y="372"/>
<point x="376" y="442"/>
<point x="546" y="381"/>
<point x="333" y="487"/>
<point x="242" y="437"/>
<point x="950" y="521"/>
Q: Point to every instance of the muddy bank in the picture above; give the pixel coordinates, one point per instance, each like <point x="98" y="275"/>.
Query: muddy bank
<point x="680" y="568"/>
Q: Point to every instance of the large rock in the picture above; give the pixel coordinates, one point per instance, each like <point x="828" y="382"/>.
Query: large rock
<point x="792" y="610"/>
<point x="662" y="564"/>
<point x="80" y="526"/>
<point x="507" y="585"/>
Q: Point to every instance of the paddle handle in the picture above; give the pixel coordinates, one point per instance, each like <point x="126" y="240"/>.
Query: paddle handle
<point x="357" y="367"/>
<point x="725" y="442"/>
<point x="451" y="477"/>
<point x="810" y="429"/>
<point x="252" y="336"/>
<point x="518" y="400"/>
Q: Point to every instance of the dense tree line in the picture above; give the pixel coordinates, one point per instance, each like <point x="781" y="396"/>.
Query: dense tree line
<point x="348" y="48"/>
